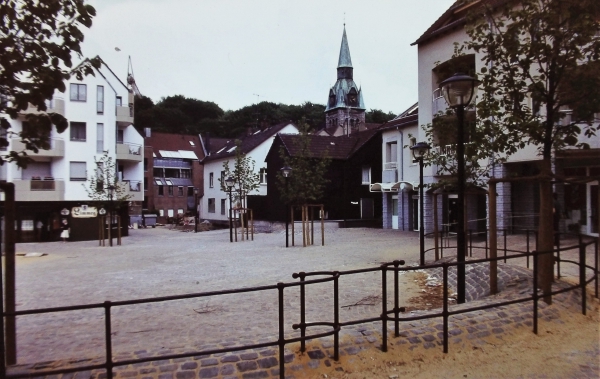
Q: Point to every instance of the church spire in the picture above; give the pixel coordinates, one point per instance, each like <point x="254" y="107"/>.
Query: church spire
<point x="345" y="60"/>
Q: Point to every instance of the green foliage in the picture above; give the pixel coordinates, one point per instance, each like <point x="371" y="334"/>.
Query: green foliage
<point x="307" y="182"/>
<point x="377" y="116"/>
<point x="177" y="114"/>
<point x="245" y="178"/>
<point x="104" y="179"/>
<point x="541" y="55"/>
<point x="37" y="40"/>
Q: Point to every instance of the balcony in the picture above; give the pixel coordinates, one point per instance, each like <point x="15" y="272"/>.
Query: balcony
<point x="124" y="116"/>
<point x="133" y="189"/>
<point x="56" y="105"/>
<point x="439" y="103"/>
<point x="128" y="151"/>
<point x="57" y="148"/>
<point x="390" y="172"/>
<point x="42" y="189"/>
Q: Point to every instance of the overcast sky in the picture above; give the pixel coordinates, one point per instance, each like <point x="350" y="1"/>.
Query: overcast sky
<point x="284" y="51"/>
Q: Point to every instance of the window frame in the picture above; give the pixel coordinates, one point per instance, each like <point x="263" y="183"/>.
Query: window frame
<point x="211" y="180"/>
<point x="100" y="99"/>
<point x="211" y="205"/>
<point x="71" y="169"/>
<point x="362" y="177"/>
<point x="74" y="126"/>
<point x="75" y="89"/>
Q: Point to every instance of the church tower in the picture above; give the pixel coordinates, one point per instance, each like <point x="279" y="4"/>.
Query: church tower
<point x="345" y="111"/>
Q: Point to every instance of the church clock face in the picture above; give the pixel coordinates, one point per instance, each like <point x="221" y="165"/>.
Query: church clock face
<point x="352" y="99"/>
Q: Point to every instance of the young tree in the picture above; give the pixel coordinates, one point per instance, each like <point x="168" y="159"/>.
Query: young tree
<point x="37" y="40"/>
<point x="547" y="51"/>
<point x="243" y="172"/>
<point x="105" y="189"/>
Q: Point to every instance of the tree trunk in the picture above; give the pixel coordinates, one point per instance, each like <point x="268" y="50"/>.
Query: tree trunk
<point x="545" y="233"/>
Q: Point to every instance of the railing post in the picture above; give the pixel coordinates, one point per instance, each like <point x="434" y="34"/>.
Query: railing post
<point x="108" y="339"/>
<point x="383" y="308"/>
<point x="528" y="252"/>
<point x="558" y="254"/>
<point x="596" y="273"/>
<point x="471" y="243"/>
<point x="535" y="291"/>
<point x="302" y="276"/>
<point x="10" y="322"/>
<point x="445" y="307"/>
<point x="336" y="316"/>
<point x="396" y="300"/>
<point x="504" y="232"/>
<point x="281" y="341"/>
<point x="582" y="283"/>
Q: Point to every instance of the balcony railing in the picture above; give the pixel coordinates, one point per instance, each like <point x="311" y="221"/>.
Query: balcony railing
<point x="40" y="189"/>
<point x="55" y="105"/>
<point x="129" y="151"/>
<point x="390" y="172"/>
<point x="133" y="189"/>
<point x="57" y="148"/>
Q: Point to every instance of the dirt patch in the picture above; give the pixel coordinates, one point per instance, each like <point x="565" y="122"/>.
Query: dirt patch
<point x="568" y="348"/>
<point x="430" y="295"/>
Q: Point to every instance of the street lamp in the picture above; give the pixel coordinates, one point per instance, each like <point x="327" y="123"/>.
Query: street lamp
<point x="196" y="212"/>
<point x="419" y="150"/>
<point x="229" y="183"/>
<point x="458" y="91"/>
<point x="286" y="171"/>
<point x="111" y="192"/>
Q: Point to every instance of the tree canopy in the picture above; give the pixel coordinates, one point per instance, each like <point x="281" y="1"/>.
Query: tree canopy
<point x="38" y="40"/>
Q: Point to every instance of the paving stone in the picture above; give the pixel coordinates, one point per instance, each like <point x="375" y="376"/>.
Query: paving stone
<point x="288" y="358"/>
<point x="248" y="356"/>
<point x="230" y="358"/>
<point x="428" y="338"/>
<point x="255" y="375"/>
<point x="246" y="366"/>
<point x="268" y="362"/>
<point x="166" y="376"/>
<point x="209" y="372"/>
<point x="316" y="354"/>
<point x="268" y="353"/>
<point x="227" y="369"/>
<point x="414" y="340"/>
<point x="314" y="363"/>
<point x="165" y="368"/>
<point x="147" y="370"/>
<point x="353" y="350"/>
<point x="210" y="362"/>
<point x="185" y="374"/>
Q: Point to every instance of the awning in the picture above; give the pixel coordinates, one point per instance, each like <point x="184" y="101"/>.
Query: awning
<point x="392" y="187"/>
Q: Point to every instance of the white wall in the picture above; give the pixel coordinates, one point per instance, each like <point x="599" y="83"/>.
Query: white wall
<point x="258" y="154"/>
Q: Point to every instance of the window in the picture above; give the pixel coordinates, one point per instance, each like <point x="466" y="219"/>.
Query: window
<point x="78" y="92"/>
<point x="170" y="212"/>
<point x="222" y="206"/>
<point x="263" y="176"/>
<point x="3" y="135"/>
<point x="99" y="138"/>
<point x="190" y="191"/>
<point x="161" y="190"/>
<point x="185" y="173"/>
<point x="77" y="171"/>
<point x="78" y="131"/>
<point x="391" y="152"/>
<point x="211" y="180"/>
<point x="366" y="175"/>
<point x="158" y="172"/>
<point x="170" y="190"/>
<point x="179" y="191"/>
<point x="223" y="177"/>
<point x="211" y="205"/>
<point x="180" y="211"/>
<point x="119" y="101"/>
<point x="119" y="136"/>
<point x="100" y="99"/>
<point x="161" y="212"/>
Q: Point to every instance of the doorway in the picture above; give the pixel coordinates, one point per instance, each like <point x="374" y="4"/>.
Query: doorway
<point x="394" y="211"/>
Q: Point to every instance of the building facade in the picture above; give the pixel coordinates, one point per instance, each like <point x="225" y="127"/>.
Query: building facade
<point x="214" y="203"/>
<point x="52" y="187"/>
<point x="173" y="174"/>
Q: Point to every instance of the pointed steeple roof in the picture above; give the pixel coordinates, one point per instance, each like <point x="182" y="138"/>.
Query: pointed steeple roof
<point x="345" y="60"/>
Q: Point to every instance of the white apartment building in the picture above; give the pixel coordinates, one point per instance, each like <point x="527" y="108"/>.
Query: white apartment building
<point x="214" y="205"/>
<point x="518" y="202"/>
<point x="99" y="110"/>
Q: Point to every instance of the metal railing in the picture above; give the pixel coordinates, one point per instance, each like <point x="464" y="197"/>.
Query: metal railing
<point x="387" y="315"/>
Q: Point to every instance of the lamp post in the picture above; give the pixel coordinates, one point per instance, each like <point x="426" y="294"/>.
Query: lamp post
<point x="286" y="172"/>
<point x="229" y="182"/>
<point x="458" y="91"/>
<point x="196" y="210"/>
<point x="111" y="192"/>
<point x="419" y="150"/>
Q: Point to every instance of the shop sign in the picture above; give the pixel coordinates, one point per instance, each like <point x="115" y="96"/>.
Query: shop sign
<point x="84" y="212"/>
<point x="102" y="212"/>
<point x="64" y="212"/>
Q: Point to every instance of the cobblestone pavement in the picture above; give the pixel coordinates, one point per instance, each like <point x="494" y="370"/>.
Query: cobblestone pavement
<point x="159" y="262"/>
